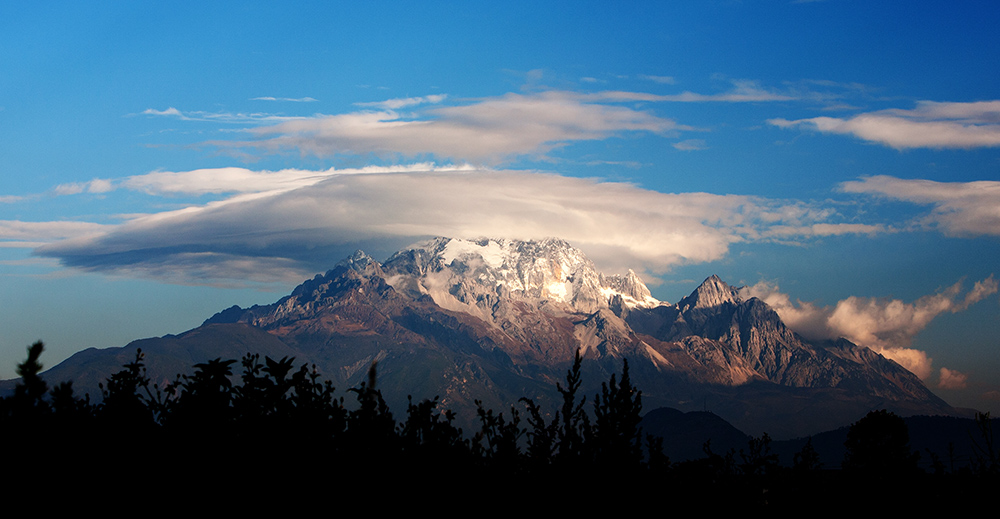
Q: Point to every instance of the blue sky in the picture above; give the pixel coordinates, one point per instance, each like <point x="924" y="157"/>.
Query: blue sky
<point x="159" y="163"/>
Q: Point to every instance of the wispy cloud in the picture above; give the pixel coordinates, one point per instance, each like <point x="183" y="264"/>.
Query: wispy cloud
<point x="241" y="180"/>
<point x="306" y="219"/>
<point x="97" y="185"/>
<point x="930" y="125"/>
<point x="885" y="325"/>
<point x="690" y="145"/>
<point x="489" y="130"/>
<point x="233" y="180"/>
<point x="743" y="91"/>
<point x="663" y="80"/>
<point x="958" y="208"/>
<point x="395" y="104"/>
<point x="15" y="233"/>
<point x="219" y="117"/>
<point x="285" y="99"/>
<point x="631" y="164"/>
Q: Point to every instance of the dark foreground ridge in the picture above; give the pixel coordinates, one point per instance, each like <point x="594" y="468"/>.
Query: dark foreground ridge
<point x="281" y="429"/>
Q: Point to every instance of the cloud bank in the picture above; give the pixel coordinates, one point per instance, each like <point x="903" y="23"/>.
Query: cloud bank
<point x="298" y="219"/>
<point x="884" y="325"/>
<point x="959" y="208"/>
<point x="486" y="131"/>
<point x="930" y="125"/>
<point x="15" y="233"/>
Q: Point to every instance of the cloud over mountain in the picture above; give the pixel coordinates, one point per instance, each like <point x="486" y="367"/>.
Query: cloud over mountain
<point x="885" y="325"/>
<point x="291" y="219"/>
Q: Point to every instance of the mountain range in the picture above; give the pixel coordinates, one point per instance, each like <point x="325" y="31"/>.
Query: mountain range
<point x="495" y="320"/>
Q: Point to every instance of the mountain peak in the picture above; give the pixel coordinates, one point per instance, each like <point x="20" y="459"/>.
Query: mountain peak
<point x="357" y="261"/>
<point x="711" y="293"/>
<point x="465" y="273"/>
<point x="630" y="288"/>
<point x="361" y="263"/>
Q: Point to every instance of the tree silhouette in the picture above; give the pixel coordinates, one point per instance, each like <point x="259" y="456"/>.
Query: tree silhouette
<point x="878" y="446"/>
<point x="617" y="437"/>
<point x="221" y="432"/>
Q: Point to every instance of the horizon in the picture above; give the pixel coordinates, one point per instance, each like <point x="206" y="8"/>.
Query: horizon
<point x="839" y="159"/>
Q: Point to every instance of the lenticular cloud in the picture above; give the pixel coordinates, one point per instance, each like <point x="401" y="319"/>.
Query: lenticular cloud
<point x="306" y="222"/>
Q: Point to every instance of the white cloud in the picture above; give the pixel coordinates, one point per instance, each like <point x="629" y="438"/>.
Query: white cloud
<point x="804" y="317"/>
<point x="951" y="379"/>
<point x="395" y="104"/>
<point x="97" y="185"/>
<point x="690" y="145"/>
<point x="885" y="325"/>
<point x="241" y="180"/>
<point x="663" y="80"/>
<point x="309" y="217"/>
<point x="220" y="117"/>
<point x="930" y="125"/>
<point x="16" y="231"/>
<point x="169" y="112"/>
<point x="234" y="180"/>
<point x="959" y="208"/>
<point x="286" y="99"/>
<point x="826" y="229"/>
<point x="743" y="91"/>
<point x="489" y="130"/>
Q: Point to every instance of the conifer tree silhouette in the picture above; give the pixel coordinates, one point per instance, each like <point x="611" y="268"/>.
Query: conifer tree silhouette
<point x="617" y="436"/>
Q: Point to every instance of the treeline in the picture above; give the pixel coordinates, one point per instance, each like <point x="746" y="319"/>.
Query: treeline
<point x="286" y="428"/>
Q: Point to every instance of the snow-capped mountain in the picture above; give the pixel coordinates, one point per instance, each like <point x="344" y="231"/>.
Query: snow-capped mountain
<point x="498" y="319"/>
<point x="466" y="274"/>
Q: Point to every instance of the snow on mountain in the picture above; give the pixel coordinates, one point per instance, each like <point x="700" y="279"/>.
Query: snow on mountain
<point x="470" y="275"/>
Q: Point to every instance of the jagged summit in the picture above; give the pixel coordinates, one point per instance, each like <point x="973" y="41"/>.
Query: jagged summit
<point x="360" y="261"/>
<point x="711" y="293"/>
<point x="459" y="274"/>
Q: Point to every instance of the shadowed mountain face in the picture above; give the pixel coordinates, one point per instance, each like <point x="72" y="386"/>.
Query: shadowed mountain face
<point x="495" y="320"/>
